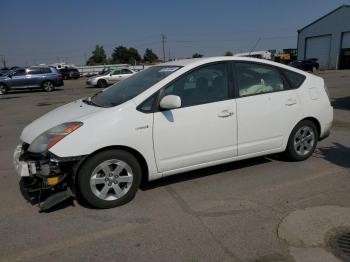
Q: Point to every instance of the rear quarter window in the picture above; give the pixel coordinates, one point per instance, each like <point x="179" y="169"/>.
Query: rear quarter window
<point x="294" y="79"/>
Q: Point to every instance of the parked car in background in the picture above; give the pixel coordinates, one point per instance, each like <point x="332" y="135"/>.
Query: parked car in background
<point x="172" y="118"/>
<point x="69" y="73"/>
<point x="110" y="77"/>
<point x="46" y="78"/>
<point x="310" y="65"/>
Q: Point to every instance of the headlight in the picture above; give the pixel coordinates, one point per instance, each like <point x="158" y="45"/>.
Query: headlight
<point x="52" y="136"/>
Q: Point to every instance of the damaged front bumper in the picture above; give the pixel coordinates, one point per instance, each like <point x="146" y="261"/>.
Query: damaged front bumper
<point x="46" y="179"/>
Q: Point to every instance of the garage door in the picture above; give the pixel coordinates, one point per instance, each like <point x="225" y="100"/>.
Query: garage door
<point x="346" y="40"/>
<point x="344" y="61"/>
<point x="319" y="47"/>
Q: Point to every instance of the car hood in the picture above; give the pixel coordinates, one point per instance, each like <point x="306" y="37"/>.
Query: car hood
<point x="73" y="111"/>
<point x="96" y="77"/>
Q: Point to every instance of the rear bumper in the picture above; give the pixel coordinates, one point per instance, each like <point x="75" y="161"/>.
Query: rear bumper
<point x="326" y="131"/>
<point x="59" y="82"/>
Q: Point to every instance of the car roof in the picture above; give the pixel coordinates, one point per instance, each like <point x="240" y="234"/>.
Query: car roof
<point x="198" y="61"/>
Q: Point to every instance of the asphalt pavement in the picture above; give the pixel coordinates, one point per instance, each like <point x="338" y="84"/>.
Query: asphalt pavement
<point x="262" y="209"/>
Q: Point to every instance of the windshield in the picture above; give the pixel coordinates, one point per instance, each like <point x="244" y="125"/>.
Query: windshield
<point x="106" y="72"/>
<point x="132" y="86"/>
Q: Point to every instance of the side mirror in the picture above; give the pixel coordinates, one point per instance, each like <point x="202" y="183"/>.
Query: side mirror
<point x="170" y="102"/>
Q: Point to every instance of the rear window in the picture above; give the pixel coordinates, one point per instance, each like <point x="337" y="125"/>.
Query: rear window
<point x="45" y="70"/>
<point x="38" y="71"/>
<point x="295" y="79"/>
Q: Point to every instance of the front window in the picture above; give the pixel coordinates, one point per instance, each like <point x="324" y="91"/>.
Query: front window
<point x="207" y="84"/>
<point x="19" y="72"/>
<point x="132" y="86"/>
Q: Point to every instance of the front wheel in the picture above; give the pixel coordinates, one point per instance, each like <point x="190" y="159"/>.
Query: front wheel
<point x="302" y="141"/>
<point x="109" y="179"/>
<point x="48" y="86"/>
<point x="102" y="83"/>
<point x="3" y="89"/>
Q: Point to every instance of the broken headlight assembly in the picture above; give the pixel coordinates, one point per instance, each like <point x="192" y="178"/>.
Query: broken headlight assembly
<point x="49" y="138"/>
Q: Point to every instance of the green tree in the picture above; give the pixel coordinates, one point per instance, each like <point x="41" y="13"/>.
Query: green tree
<point x="98" y="56"/>
<point x="123" y="55"/>
<point x="197" y="55"/>
<point x="228" y="53"/>
<point x="149" y="56"/>
<point x="134" y="56"/>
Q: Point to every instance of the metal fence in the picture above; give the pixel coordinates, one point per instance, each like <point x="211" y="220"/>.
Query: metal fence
<point x="85" y="70"/>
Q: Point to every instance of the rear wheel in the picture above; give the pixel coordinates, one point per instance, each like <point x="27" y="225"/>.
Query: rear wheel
<point x="302" y="141"/>
<point x="109" y="179"/>
<point x="3" y="89"/>
<point x="48" y="86"/>
<point x="102" y="83"/>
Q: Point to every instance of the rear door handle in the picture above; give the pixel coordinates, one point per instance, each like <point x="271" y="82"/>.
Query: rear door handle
<point x="291" y="101"/>
<point x="225" y="113"/>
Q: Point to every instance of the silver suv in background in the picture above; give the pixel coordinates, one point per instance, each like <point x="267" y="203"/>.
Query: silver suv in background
<point x="46" y="78"/>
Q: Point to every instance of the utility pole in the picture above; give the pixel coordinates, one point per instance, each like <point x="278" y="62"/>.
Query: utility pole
<point x="3" y="60"/>
<point x="169" y="54"/>
<point x="163" y="44"/>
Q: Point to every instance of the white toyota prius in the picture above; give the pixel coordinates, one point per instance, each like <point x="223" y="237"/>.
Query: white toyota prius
<point x="172" y="118"/>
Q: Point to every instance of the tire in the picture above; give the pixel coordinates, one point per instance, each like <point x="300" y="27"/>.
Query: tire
<point x="48" y="86"/>
<point x="302" y="141"/>
<point x="118" y="187"/>
<point x="3" y="89"/>
<point x="314" y="69"/>
<point x="102" y="83"/>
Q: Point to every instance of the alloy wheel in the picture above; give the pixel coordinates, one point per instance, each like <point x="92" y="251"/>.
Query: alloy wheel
<point x="304" y="140"/>
<point x="48" y="86"/>
<point x="2" y="89"/>
<point x="111" y="179"/>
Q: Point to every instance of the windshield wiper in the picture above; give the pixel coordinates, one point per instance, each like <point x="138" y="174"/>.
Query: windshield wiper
<point x="88" y="101"/>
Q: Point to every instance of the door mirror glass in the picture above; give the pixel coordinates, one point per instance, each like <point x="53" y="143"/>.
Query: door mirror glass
<point x="170" y="102"/>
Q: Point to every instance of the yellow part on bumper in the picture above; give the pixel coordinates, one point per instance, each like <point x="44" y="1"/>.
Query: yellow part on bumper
<point x="51" y="181"/>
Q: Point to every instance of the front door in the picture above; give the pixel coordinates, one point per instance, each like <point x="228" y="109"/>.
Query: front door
<point x="267" y="108"/>
<point x="204" y="128"/>
<point x="18" y="79"/>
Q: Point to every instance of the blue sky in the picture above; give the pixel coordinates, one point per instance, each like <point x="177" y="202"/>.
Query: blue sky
<point x="39" y="31"/>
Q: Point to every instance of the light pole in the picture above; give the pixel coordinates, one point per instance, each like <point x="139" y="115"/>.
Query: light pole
<point x="3" y="60"/>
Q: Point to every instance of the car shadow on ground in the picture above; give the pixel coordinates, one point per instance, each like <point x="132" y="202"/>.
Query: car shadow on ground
<point x="199" y="173"/>
<point x="32" y="91"/>
<point x="337" y="154"/>
<point x="342" y="103"/>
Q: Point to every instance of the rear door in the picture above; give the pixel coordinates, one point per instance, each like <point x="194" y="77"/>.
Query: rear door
<point x="34" y="77"/>
<point x="267" y="108"/>
<point x="125" y="73"/>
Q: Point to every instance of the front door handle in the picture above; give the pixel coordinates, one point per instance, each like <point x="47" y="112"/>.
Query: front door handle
<point x="291" y="101"/>
<point x="225" y="113"/>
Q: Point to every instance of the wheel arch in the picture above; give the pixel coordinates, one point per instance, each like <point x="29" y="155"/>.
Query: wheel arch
<point x="315" y="122"/>
<point x="140" y="158"/>
<point x="46" y="80"/>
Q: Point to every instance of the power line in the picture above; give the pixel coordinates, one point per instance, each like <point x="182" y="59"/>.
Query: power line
<point x="255" y="45"/>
